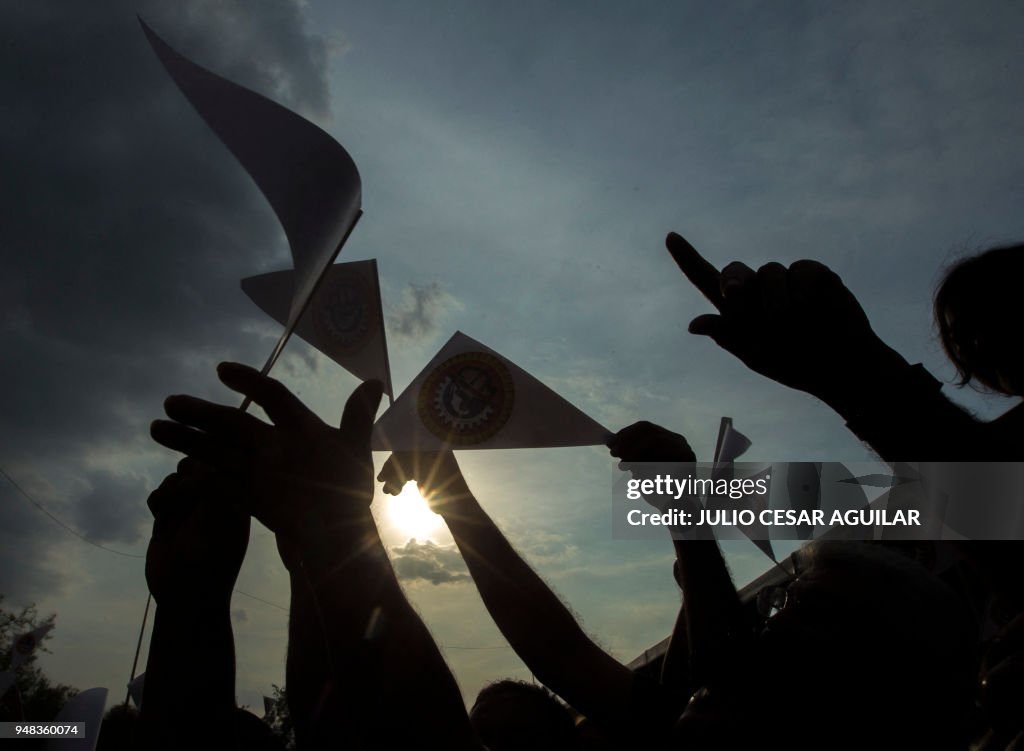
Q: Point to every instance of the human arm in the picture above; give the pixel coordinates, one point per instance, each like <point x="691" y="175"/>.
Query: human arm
<point x="802" y="327"/>
<point x="710" y="618"/>
<point x="193" y="559"/>
<point x="312" y="700"/>
<point x="536" y="623"/>
<point x="312" y="485"/>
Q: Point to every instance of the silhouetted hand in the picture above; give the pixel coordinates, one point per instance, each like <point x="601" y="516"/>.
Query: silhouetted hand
<point x="199" y="538"/>
<point x="646" y="442"/>
<point x="437" y="475"/>
<point x="298" y="474"/>
<point x="645" y="449"/>
<point x="800" y="326"/>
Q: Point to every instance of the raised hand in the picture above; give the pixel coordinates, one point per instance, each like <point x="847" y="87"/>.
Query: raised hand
<point x="199" y="538"/>
<point x="646" y="442"/>
<point x="437" y="475"/>
<point x="800" y="326"/>
<point x="296" y="474"/>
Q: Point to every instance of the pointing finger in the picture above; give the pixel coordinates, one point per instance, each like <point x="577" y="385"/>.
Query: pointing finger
<point x="698" y="270"/>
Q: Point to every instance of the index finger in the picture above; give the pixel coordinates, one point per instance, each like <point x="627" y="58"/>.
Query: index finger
<point x="282" y="406"/>
<point x="704" y="276"/>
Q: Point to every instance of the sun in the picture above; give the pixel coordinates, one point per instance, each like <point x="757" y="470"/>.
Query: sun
<point x="410" y="513"/>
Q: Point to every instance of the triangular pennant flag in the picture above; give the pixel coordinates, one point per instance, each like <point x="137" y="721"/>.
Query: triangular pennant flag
<point x="307" y="177"/>
<point x="470" y="397"/>
<point x="86" y="706"/>
<point x="343" y="320"/>
<point x="136" y="689"/>
<point x="731" y="444"/>
<point x="26" y="644"/>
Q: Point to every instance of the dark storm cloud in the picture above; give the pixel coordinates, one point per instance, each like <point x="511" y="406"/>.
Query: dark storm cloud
<point x="25" y="569"/>
<point x="437" y="564"/>
<point x="126" y="227"/>
<point x="111" y="510"/>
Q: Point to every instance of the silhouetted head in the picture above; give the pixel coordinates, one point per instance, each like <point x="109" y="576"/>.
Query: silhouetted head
<point x="513" y="715"/>
<point x="979" y="310"/>
<point x="866" y="650"/>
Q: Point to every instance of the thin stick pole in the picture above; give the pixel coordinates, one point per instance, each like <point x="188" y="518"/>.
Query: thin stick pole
<point x="138" y="648"/>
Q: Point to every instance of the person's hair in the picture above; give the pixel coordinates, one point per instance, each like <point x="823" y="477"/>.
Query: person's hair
<point x="978" y="312"/>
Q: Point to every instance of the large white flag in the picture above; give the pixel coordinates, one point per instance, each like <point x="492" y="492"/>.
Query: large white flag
<point x="307" y="177"/>
<point x="470" y="397"/>
<point x="344" y="318"/>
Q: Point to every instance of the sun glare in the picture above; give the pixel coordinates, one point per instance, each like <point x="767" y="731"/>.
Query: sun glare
<point x="410" y="513"/>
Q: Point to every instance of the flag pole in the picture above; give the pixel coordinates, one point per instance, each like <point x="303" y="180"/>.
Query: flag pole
<point x="279" y="347"/>
<point x="138" y="648"/>
<point x="383" y="334"/>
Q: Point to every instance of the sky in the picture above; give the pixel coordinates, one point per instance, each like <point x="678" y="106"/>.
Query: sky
<point x="521" y="165"/>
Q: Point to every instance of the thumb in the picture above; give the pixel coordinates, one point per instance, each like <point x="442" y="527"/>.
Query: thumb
<point x="360" y="412"/>
<point x="713" y="326"/>
<point x="708" y="324"/>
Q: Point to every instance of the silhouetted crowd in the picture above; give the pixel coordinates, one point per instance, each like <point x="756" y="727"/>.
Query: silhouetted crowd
<point x="854" y="645"/>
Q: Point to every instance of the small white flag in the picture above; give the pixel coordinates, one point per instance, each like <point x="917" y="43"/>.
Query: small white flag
<point x="26" y="644"/>
<point x="344" y="319"/>
<point x="731" y="445"/>
<point x="470" y="397"/>
<point x="136" y="689"/>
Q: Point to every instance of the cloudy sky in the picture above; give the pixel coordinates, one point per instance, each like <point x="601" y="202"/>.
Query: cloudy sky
<point x="521" y="165"/>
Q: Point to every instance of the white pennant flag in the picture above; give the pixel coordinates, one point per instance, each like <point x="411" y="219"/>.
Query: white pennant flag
<point x="136" y="689"/>
<point x="344" y="319"/>
<point x="731" y="445"/>
<point x="470" y="397"/>
<point x="25" y="645"/>
<point x="310" y="181"/>
<point x="86" y="706"/>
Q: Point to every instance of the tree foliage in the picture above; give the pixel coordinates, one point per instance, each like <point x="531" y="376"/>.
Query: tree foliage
<point x="33" y="697"/>
<point x="278" y="718"/>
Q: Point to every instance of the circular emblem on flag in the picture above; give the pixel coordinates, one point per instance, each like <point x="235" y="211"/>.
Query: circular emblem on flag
<point x="467" y="399"/>
<point x="344" y="313"/>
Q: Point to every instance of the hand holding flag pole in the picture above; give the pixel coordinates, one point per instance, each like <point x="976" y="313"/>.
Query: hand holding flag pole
<point x="309" y="179"/>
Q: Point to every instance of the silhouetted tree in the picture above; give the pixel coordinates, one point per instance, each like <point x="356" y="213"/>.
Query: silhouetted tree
<point x="39" y="699"/>
<point x="278" y="718"/>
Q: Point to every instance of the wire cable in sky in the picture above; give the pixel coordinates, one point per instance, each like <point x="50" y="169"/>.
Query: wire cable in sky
<point x="67" y="527"/>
